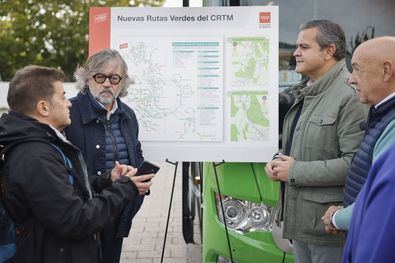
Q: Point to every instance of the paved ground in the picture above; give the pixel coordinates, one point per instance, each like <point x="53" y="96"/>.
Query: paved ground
<point x="145" y="242"/>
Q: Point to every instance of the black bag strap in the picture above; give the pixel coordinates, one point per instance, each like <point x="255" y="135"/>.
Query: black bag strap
<point x="3" y="151"/>
<point x="67" y="162"/>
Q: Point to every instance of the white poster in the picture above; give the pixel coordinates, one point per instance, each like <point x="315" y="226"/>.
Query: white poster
<point x="205" y="79"/>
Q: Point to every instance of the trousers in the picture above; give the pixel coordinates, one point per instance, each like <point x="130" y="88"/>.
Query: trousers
<point x="313" y="253"/>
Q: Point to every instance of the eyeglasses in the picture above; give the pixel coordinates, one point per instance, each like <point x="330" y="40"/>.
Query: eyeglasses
<point x="101" y="78"/>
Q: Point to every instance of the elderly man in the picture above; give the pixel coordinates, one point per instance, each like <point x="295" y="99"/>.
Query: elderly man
<point x="45" y="184"/>
<point x="371" y="234"/>
<point x="321" y="133"/>
<point x="106" y="130"/>
<point x="374" y="79"/>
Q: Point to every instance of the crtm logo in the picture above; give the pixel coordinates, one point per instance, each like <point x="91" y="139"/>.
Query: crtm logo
<point x="100" y="17"/>
<point x="264" y="17"/>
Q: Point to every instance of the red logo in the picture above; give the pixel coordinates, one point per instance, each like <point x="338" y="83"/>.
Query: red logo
<point x="264" y="17"/>
<point x="123" y="45"/>
<point x="100" y="18"/>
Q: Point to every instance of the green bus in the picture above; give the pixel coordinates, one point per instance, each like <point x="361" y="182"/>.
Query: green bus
<point x="241" y="191"/>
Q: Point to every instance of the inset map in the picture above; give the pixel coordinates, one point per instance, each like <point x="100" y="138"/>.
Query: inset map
<point x="250" y="62"/>
<point x="249" y="116"/>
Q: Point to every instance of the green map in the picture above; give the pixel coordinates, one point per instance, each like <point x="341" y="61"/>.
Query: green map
<point x="249" y="116"/>
<point x="248" y="92"/>
<point x="250" y="61"/>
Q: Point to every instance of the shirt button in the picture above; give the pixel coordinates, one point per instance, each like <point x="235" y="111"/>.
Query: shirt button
<point x="98" y="146"/>
<point x="321" y="121"/>
<point x="98" y="172"/>
<point x="97" y="121"/>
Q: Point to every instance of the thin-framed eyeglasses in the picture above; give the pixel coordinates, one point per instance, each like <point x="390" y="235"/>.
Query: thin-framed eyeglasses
<point x="101" y="78"/>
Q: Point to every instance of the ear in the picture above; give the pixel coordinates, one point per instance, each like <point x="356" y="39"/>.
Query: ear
<point x="388" y="70"/>
<point x="330" y="51"/>
<point x="42" y="108"/>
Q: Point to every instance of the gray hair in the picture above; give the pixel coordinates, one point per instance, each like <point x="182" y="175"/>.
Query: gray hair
<point x="95" y="63"/>
<point x="329" y="33"/>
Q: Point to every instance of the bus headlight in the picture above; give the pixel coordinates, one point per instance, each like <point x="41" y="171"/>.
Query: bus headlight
<point x="259" y="218"/>
<point x="235" y="213"/>
<point x="244" y="216"/>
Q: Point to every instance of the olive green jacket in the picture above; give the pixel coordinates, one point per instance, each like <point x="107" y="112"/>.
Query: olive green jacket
<point x="326" y="137"/>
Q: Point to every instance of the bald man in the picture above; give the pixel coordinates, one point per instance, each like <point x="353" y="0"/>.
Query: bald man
<point x="373" y="76"/>
<point x="371" y="237"/>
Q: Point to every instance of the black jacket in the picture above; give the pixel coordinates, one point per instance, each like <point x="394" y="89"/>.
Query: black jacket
<point x="57" y="219"/>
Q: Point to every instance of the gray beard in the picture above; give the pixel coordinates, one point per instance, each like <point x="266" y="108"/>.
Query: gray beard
<point x="105" y="101"/>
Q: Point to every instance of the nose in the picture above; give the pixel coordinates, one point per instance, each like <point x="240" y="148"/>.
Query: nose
<point x="296" y="52"/>
<point x="107" y="82"/>
<point x="68" y="103"/>
<point x="351" y="80"/>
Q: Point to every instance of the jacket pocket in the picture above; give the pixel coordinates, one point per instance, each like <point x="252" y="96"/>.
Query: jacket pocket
<point x="321" y="137"/>
<point x="313" y="204"/>
<point x="323" y="120"/>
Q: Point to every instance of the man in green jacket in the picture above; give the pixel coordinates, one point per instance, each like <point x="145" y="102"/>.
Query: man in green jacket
<point x="321" y="133"/>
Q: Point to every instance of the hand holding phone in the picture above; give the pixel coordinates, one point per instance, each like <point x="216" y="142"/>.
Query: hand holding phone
<point x="147" y="168"/>
<point x="143" y="182"/>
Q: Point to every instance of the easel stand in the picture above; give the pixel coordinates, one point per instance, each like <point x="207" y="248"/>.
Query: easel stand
<point x="171" y="201"/>
<point x="222" y="208"/>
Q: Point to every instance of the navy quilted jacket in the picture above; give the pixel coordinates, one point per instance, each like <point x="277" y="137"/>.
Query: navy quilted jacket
<point x="378" y="119"/>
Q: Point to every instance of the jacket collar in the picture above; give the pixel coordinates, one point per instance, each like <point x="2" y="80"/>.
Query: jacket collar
<point x="19" y="127"/>
<point x="325" y="81"/>
<point x="384" y="107"/>
<point x="91" y="110"/>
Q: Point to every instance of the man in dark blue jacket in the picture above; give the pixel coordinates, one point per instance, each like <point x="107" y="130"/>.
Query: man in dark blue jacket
<point x="106" y="130"/>
<point x="374" y="81"/>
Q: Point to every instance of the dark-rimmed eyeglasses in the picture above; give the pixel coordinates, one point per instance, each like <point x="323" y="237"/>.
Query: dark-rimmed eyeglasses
<point x="101" y="78"/>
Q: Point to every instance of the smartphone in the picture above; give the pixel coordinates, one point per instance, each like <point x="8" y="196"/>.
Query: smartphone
<point x="147" y="168"/>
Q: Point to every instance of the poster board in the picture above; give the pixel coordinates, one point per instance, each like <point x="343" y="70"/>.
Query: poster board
<point x="205" y="79"/>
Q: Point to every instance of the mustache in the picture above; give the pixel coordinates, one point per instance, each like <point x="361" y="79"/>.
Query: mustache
<point x="107" y="91"/>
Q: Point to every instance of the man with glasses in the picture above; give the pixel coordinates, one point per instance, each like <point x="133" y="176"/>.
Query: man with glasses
<point x="106" y="130"/>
